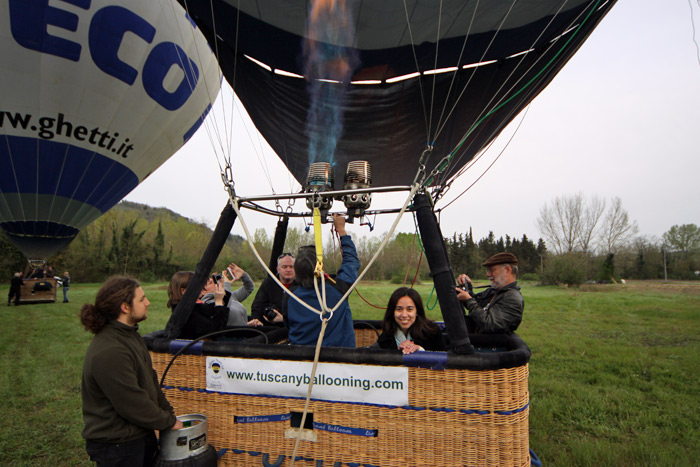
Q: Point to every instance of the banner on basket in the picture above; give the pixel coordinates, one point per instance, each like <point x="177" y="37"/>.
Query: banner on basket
<point x="332" y="382"/>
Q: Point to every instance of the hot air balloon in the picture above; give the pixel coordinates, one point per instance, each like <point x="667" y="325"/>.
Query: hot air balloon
<point x="415" y="89"/>
<point x="399" y="76"/>
<point x="95" y="96"/>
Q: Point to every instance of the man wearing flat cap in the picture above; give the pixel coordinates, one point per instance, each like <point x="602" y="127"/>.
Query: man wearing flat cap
<point x="498" y="309"/>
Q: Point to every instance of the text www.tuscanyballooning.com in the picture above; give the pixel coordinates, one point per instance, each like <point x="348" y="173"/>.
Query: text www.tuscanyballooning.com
<point x="320" y="380"/>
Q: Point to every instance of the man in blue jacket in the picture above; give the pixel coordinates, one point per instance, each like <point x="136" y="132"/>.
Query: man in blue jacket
<point x="304" y="324"/>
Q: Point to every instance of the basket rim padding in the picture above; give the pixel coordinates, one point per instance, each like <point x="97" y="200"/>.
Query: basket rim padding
<point x="516" y="352"/>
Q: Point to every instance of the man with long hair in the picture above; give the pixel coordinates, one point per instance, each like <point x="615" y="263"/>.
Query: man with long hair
<point x="305" y="325"/>
<point x="122" y="401"/>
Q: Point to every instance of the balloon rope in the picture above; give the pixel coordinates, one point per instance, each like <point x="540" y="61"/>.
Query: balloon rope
<point x="318" y="240"/>
<point x="236" y="208"/>
<point x="357" y="291"/>
<point x="527" y="109"/>
<point x="414" y="189"/>
<point x="514" y="95"/>
<point x="420" y="259"/>
<point x="410" y="258"/>
<point x="415" y="59"/>
<point x="318" y="272"/>
<point x="430" y="297"/>
<point x="317" y="353"/>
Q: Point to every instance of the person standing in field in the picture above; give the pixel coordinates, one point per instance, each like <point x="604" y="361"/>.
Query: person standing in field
<point x="122" y="401"/>
<point x="15" y="288"/>
<point x="66" y="286"/>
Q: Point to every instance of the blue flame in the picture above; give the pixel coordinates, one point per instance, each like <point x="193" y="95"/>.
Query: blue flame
<point x="328" y="58"/>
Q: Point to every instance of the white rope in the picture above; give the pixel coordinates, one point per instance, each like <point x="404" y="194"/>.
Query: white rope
<point x="234" y="204"/>
<point x="317" y="353"/>
<point x="413" y="191"/>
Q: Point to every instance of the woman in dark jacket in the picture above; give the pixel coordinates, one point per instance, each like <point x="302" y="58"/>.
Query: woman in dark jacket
<point x="405" y="326"/>
<point x="205" y="317"/>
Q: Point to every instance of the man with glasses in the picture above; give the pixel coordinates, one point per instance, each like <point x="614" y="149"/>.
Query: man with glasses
<point x="267" y="304"/>
<point x="498" y="309"/>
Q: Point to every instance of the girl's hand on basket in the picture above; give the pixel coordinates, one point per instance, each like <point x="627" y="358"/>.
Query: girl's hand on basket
<point x="408" y="347"/>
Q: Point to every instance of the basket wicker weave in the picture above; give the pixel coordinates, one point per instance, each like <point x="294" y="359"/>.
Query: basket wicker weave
<point x="455" y="416"/>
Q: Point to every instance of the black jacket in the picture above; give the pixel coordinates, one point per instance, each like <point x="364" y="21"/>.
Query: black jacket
<point x="16" y="283"/>
<point x="269" y="294"/>
<point x="205" y="318"/>
<point x="496" y="310"/>
<point x="434" y="342"/>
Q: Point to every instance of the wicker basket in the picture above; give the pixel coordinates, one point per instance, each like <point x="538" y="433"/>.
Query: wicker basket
<point x="470" y="413"/>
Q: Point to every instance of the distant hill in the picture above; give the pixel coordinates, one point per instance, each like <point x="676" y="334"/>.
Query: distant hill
<point x="151" y="214"/>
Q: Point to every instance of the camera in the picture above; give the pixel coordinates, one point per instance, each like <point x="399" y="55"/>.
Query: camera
<point x="269" y="313"/>
<point x="467" y="287"/>
<point x="216" y="277"/>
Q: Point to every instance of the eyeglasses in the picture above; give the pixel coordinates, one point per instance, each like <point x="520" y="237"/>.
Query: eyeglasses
<point x="285" y="254"/>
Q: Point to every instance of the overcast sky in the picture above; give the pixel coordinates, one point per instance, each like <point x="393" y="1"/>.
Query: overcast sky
<point x="620" y="119"/>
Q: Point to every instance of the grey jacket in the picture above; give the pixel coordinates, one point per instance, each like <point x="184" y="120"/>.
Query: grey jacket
<point x="496" y="310"/>
<point x="237" y="314"/>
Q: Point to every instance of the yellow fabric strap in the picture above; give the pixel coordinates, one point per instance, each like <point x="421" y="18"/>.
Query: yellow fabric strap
<point x="318" y="237"/>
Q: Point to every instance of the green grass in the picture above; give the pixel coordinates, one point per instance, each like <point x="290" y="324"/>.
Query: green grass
<point x="613" y="373"/>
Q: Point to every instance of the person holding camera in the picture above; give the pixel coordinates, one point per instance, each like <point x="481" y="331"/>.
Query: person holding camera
<point x="267" y="306"/>
<point x="204" y="318"/>
<point x="498" y="309"/>
<point x="237" y="314"/>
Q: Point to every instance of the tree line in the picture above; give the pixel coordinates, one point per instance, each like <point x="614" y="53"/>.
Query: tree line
<point x="595" y="239"/>
<point x="153" y="243"/>
<point x="583" y="240"/>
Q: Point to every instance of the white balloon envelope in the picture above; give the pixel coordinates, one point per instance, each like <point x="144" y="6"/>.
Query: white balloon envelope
<point x="95" y="95"/>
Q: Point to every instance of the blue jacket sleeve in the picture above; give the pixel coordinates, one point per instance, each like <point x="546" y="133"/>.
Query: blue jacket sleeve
<point x="350" y="268"/>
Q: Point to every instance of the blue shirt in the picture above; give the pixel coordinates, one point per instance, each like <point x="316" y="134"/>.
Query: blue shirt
<point x="305" y="325"/>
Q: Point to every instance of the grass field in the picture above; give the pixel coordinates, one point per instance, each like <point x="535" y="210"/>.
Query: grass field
<point x="613" y="374"/>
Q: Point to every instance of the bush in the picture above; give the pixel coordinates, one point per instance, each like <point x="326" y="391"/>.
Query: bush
<point x="564" y="269"/>
<point x="397" y="279"/>
<point x="529" y="276"/>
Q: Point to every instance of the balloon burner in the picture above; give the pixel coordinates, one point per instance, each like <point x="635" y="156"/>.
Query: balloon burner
<point x="358" y="176"/>
<point x="320" y="180"/>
